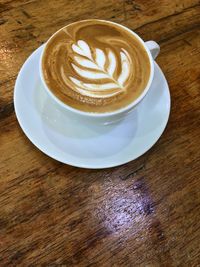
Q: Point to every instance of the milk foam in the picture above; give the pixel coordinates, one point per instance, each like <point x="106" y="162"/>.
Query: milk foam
<point x="92" y="66"/>
<point x="95" y="66"/>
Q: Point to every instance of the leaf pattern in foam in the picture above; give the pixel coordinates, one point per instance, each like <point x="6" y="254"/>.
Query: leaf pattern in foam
<point x="100" y="58"/>
<point x="112" y="63"/>
<point x="93" y="86"/>
<point x="82" y="48"/>
<point x="125" y="67"/>
<point x="89" y="68"/>
<point x="83" y="62"/>
<point x="85" y="73"/>
<point x="96" y="94"/>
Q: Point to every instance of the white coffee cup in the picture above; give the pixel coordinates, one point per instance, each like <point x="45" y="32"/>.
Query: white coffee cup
<point x="152" y="49"/>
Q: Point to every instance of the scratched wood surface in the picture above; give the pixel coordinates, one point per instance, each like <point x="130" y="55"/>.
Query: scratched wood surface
<point x="145" y="213"/>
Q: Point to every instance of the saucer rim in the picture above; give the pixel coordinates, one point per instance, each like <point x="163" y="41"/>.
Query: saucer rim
<point x="81" y="165"/>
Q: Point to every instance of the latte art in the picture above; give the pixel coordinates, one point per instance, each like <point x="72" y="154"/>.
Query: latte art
<point x="95" y="66"/>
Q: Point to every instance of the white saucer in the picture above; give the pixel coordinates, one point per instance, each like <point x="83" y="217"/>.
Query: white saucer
<point x="66" y="138"/>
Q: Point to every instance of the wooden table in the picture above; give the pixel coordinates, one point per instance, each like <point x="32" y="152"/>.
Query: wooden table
<point x="145" y="213"/>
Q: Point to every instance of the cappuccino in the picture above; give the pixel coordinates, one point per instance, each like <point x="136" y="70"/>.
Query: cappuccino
<point x="95" y="66"/>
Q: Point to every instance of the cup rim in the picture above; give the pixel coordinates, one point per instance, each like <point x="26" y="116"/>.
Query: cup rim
<point x="103" y="114"/>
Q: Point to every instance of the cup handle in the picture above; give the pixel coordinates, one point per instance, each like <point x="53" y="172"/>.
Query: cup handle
<point x="153" y="47"/>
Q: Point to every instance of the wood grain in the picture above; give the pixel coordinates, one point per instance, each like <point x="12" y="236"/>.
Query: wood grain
<point x="144" y="213"/>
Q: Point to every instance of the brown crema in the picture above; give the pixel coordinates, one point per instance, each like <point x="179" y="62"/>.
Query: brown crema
<point x="95" y="66"/>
